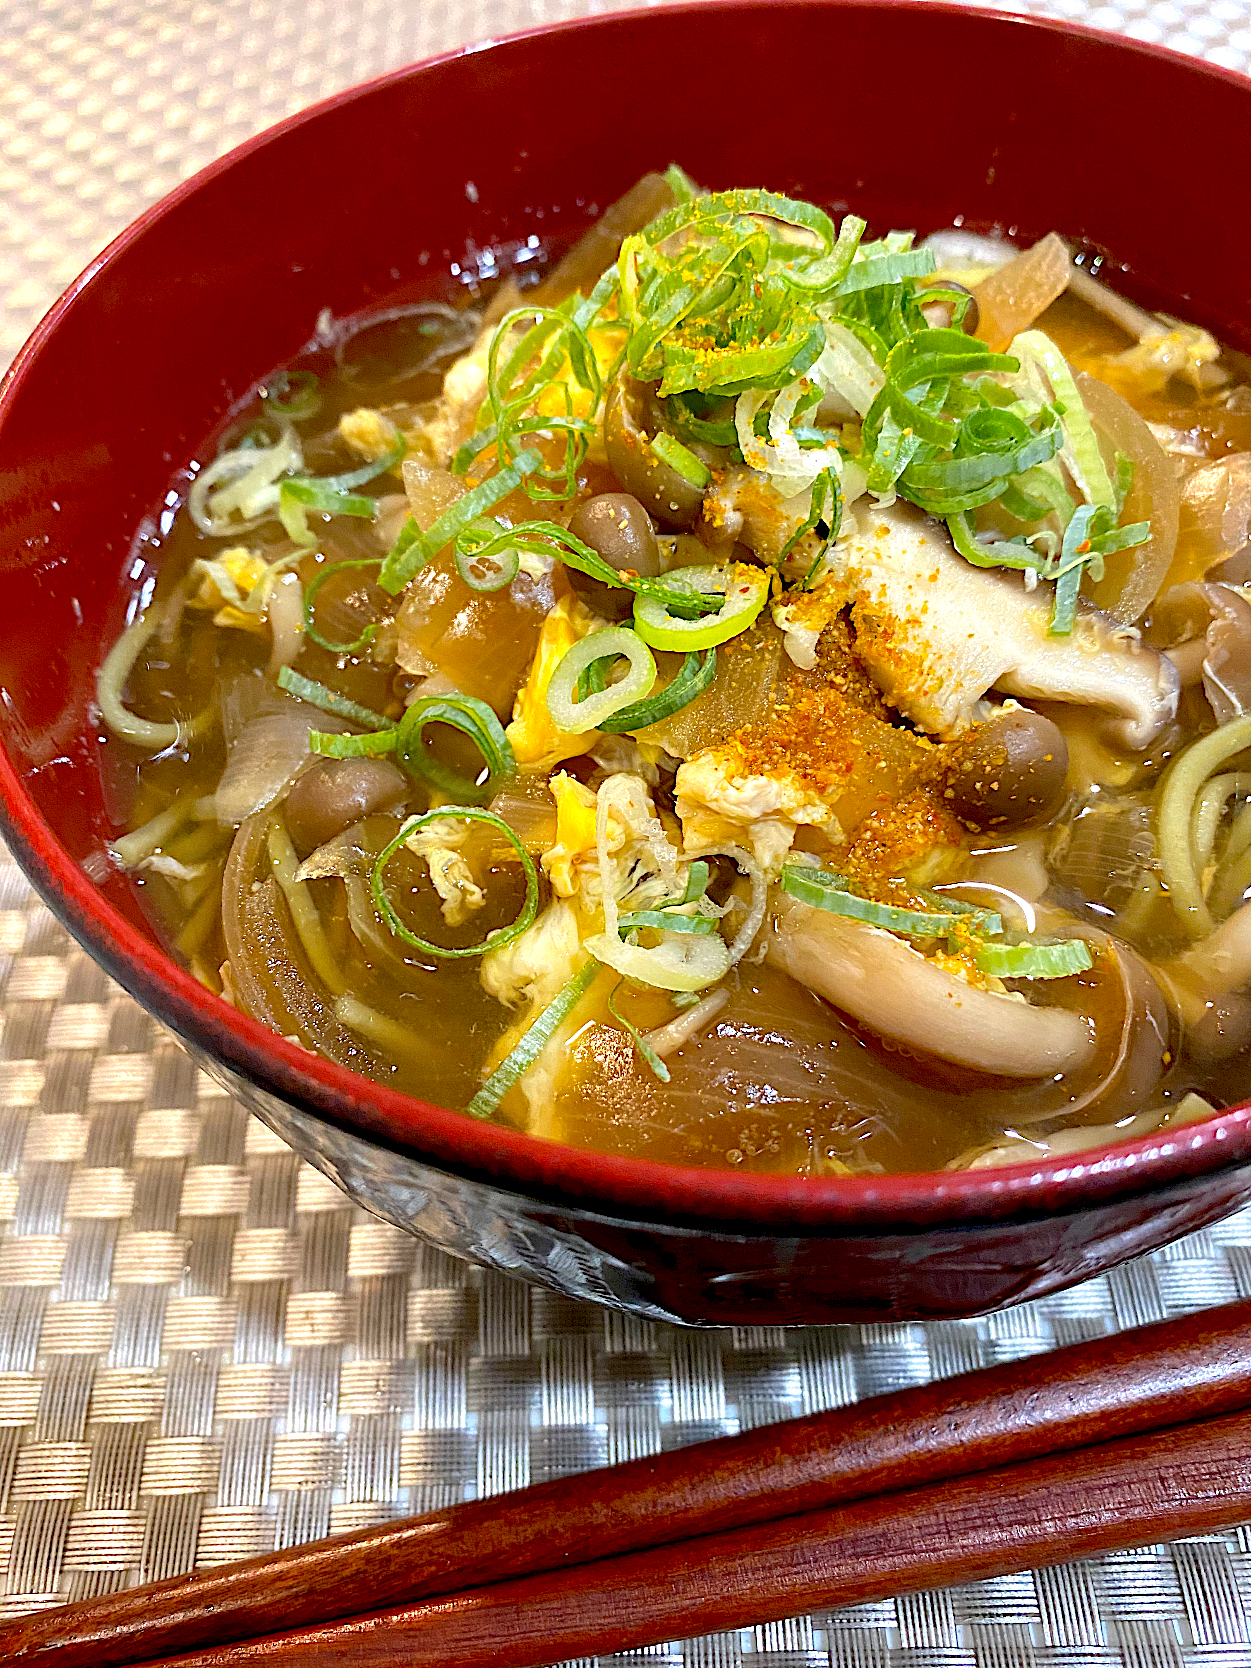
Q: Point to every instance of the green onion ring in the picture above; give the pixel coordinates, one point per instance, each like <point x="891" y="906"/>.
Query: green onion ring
<point x="822" y="890"/>
<point x="375" y="744"/>
<point x="303" y="389"/>
<point x="480" y="543"/>
<point x="473" y="718"/>
<point x="310" y="591"/>
<point x="515" y="1065"/>
<point x="694" y="676"/>
<point x="666" y="920"/>
<point x="368" y="471"/>
<point x="576" y="716"/>
<point x="745" y="593"/>
<point x="493" y="940"/>
<point x="679" y="457"/>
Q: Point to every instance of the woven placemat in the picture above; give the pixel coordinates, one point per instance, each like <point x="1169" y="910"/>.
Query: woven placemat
<point x="205" y="1350"/>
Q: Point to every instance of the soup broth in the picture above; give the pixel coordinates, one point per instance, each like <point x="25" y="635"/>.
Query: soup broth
<point x="758" y="697"/>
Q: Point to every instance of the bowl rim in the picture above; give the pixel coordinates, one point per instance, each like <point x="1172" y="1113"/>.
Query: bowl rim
<point x="588" y="1182"/>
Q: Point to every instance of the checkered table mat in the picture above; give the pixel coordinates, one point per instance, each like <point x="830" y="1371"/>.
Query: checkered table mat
<point x="205" y="1350"/>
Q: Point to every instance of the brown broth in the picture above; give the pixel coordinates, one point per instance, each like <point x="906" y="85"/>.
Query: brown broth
<point x="779" y="1081"/>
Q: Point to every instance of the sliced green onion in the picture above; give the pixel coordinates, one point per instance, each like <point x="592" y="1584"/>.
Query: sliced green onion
<point x="697" y="877"/>
<point x="1033" y="961"/>
<point x="310" y="592"/>
<point x="666" y="920"/>
<point x="646" y="1052"/>
<point x="410" y="535"/>
<point x="745" y="592"/>
<point x="822" y="890"/>
<point x="317" y="695"/>
<point x="1088" y="538"/>
<point x="1083" y="445"/>
<point x="871" y="271"/>
<point x="825" y="510"/>
<point x="681" y="458"/>
<point x="296" y="497"/>
<point x="493" y="940"/>
<point x="413" y="550"/>
<point x="681" y="411"/>
<point x="292" y="396"/>
<point x="515" y="1065"/>
<point x="521" y="368"/>
<point x="483" y="560"/>
<point x="1003" y="553"/>
<point x="375" y="744"/>
<point x="680" y="183"/>
<point x="352" y="478"/>
<point x="694" y="676"/>
<point x="574" y="715"/>
<point x="549" y="539"/>
<point x="473" y="718"/>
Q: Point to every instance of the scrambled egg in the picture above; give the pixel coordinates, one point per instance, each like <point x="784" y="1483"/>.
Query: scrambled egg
<point x="225" y="582"/>
<point x="1182" y="351"/>
<point x="720" y="802"/>
<point x="534" y="739"/>
<point x="368" y="432"/>
<point x="450" y="874"/>
<point x="575" y="833"/>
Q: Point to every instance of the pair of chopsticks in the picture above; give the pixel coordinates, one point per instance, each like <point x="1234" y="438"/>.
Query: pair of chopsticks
<point x="1128" y="1439"/>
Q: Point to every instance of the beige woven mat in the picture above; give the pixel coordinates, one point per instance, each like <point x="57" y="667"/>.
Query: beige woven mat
<point x="205" y="1351"/>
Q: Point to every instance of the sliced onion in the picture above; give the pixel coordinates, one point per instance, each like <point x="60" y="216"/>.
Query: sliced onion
<point x="111" y="680"/>
<point x="284" y="609"/>
<point x="847" y="369"/>
<point x="576" y="717"/>
<point x="683" y="962"/>
<point x="1133" y="577"/>
<point x="264" y="758"/>
<point x="252" y="492"/>
<point x="745" y="937"/>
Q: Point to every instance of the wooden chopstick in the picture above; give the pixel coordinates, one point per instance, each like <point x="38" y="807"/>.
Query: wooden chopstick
<point x="1189" y="1480"/>
<point x="1109" y="1388"/>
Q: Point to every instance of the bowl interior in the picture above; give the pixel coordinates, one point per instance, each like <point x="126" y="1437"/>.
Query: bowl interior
<point x="915" y="115"/>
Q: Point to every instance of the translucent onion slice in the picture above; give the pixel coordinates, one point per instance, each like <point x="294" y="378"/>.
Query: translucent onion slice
<point x="111" y="680"/>
<point x="246" y="482"/>
<point x="683" y="962"/>
<point x="1132" y="578"/>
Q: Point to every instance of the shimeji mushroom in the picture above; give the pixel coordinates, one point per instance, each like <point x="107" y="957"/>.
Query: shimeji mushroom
<point x="895" y="991"/>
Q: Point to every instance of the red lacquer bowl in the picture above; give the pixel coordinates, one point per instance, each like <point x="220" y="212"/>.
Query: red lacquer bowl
<point x="912" y="115"/>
